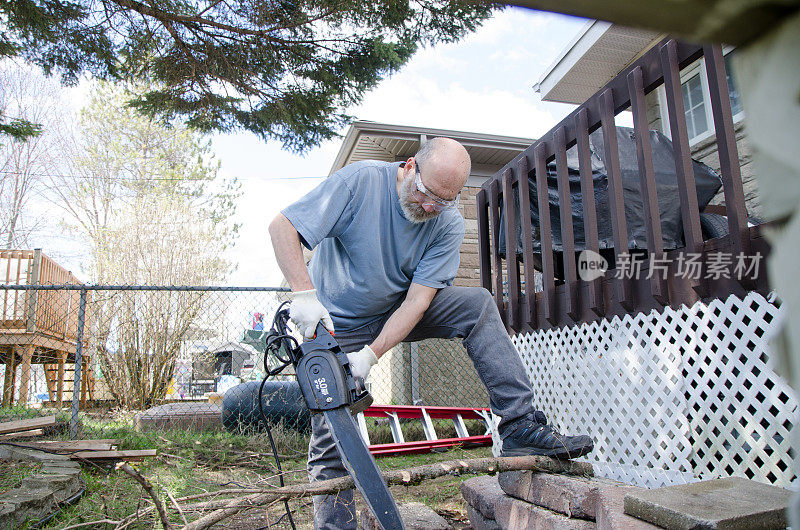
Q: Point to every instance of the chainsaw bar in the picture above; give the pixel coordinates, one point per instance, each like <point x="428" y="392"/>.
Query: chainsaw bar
<point x="362" y="467"/>
<point x="323" y="373"/>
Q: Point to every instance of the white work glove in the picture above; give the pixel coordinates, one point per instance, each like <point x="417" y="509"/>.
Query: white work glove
<point x="361" y="361"/>
<point x="306" y="311"/>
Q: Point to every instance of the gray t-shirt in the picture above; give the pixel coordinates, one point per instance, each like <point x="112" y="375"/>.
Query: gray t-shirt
<point x="368" y="252"/>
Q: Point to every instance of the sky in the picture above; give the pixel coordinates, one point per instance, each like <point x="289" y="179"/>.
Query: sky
<point x="480" y="84"/>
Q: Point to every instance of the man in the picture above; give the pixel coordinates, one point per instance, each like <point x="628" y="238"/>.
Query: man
<point x="387" y="237"/>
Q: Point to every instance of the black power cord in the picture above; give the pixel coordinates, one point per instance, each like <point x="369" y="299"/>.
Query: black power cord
<point x="282" y="347"/>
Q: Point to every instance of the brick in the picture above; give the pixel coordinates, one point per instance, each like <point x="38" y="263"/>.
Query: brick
<point x="478" y="522"/>
<point x="609" y="513"/>
<point x="482" y="493"/>
<point x="520" y="515"/>
<point x="571" y="496"/>
<point x="730" y="503"/>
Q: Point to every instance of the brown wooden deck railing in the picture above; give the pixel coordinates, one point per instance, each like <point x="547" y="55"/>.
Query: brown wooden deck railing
<point x="570" y="300"/>
<point x="53" y="313"/>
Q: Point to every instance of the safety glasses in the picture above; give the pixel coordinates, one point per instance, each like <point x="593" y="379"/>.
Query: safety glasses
<point x="422" y="194"/>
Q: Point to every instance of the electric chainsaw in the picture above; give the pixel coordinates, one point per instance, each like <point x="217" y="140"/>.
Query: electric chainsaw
<point x="329" y="388"/>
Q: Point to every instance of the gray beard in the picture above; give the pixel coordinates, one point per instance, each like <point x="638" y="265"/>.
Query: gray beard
<point x="412" y="211"/>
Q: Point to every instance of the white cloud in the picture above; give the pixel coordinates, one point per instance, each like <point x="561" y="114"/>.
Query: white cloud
<point x="425" y="103"/>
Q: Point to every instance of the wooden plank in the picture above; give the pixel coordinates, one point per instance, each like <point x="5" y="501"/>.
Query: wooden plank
<point x="619" y="227"/>
<point x="647" y="186"/>
<point x="21" y="434"/>
<point x="590" y="229"/>
<point x="27" y="425"/>
<point x="136" y="454"/>
<point x="6" y="292"/>
<point x="69" y="446"/>
<point x="687" y="191"/>
<point x="69" y="443"/>
<point x="523" y="186"/>
<point x="567" y="231"/>
<point x="32" y="294"/>
<point x="494" y="215"/>
<point x="483" y="241"/>
<point x="545" y="235"/>
<point x="512" y="264"/>
<point x="727" y="150"/>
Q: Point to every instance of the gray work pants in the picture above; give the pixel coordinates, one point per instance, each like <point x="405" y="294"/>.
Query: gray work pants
<point x="465" y="312"/>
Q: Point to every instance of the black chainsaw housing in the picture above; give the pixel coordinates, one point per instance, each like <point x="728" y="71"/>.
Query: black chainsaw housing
<point x="323" y="373"/>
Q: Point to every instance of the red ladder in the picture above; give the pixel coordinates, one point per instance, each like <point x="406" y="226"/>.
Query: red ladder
<point x="394" y="413"/>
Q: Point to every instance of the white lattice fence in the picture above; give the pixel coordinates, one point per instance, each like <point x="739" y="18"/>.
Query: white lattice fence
<point x="672" y="396"/>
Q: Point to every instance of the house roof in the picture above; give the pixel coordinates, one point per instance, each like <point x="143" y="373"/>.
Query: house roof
<point x="367" y="140"/>
<point x="594" y="57"/>
<point x="231" y="347"/>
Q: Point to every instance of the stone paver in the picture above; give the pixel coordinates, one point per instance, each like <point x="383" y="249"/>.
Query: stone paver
<point x="610" y="510"/>
<point x="730" y="503"/>
<point x="479" y="522"/>
<point x="520" y="515"/>
<point x="10" y="452"/>
<point x="194" y="415"/>
<point x="39" y="494"/>
<point x="571" y="496"/>
<point x="482" y="493"/>
<point x="415" y="516"/>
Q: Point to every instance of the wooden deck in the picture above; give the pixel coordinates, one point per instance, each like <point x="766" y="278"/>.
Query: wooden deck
<point x="565" y="299"/>
<point x="39" y="327"/>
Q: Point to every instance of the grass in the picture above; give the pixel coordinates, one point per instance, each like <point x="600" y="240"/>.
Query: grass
<point x="192" y="462"/>
<point x="12" y="473"/>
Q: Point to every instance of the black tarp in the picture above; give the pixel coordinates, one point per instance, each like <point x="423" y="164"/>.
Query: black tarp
<point x="706" y="180"/>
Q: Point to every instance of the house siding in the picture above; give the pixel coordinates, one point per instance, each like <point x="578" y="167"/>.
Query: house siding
<point x="469" y="269"/>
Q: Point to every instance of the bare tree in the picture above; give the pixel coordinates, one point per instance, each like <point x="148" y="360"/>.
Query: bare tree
<point x="26" y="163"/>
<point x="146" y="199"/>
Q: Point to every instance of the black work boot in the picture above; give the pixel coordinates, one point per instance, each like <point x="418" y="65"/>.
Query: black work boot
<point x="531" y="435"/>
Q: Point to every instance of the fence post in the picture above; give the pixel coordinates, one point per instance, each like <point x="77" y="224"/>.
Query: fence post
<point x="76" y="385"/>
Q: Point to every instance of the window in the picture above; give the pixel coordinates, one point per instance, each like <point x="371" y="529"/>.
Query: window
<point x="694" y="106"/>
<point x="697" y="102"/>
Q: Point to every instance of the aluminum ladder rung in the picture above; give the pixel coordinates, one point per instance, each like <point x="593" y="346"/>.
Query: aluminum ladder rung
<point x="461" y="427"/>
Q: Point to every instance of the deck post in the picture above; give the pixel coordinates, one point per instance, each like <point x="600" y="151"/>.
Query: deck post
<point x="33" y="294"/>
<point x="25" y="373"/>
<point x="76" y="386"/>
<point x="62" y="360"/>
<point x="9" y="379"/>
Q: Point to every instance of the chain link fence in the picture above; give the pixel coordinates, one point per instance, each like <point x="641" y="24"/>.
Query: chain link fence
<point x="182" y="358"/>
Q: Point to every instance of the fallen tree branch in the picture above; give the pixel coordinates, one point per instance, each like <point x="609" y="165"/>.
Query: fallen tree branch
<point x="408" y="477"/>
<point x="177" y="506"/>
<point x="162" y="512"/>
<point x="93" y="524"/>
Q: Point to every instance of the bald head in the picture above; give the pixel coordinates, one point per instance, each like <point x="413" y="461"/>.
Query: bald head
<point x="446" y="166"/>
